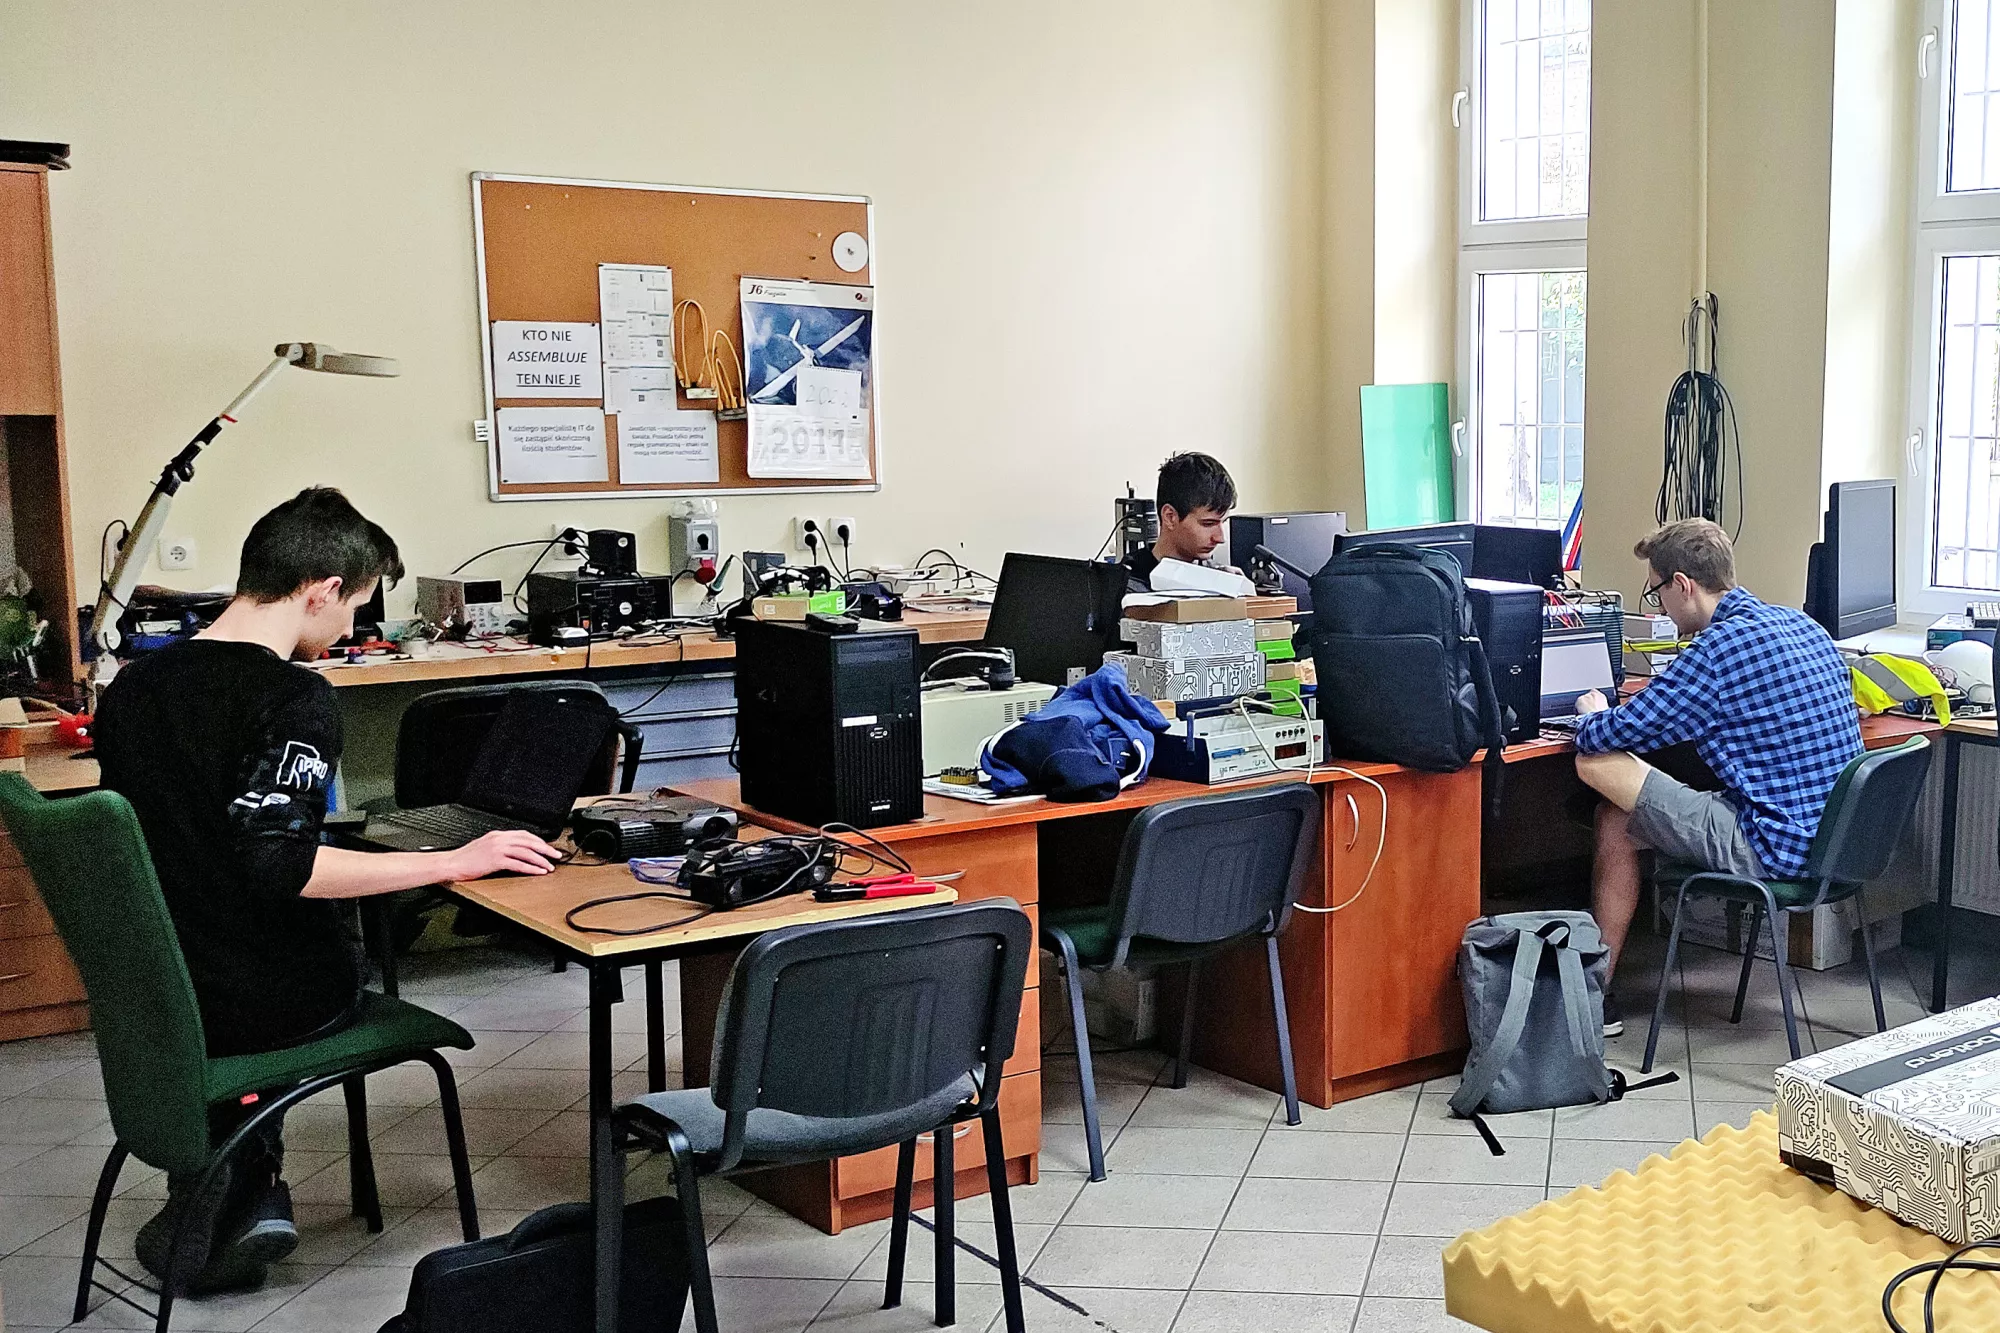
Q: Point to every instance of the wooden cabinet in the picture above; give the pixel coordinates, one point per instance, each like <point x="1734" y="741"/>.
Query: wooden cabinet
<point x="31" y="424"/>
<point x="40" y="991"/>
<point x="1371" y="989"/>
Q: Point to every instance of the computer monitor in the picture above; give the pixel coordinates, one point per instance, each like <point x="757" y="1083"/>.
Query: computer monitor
<point x="1059" y="616"/>
<point x="1305" y="539"/>
<point x="1454" y="539"/>
<point x="1573" y="664"/>
<point x="1518" y="555"/>
<point x="1851" y="572"/>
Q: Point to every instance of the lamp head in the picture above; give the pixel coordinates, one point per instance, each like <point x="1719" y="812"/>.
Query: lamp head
<point x="318" y="356"/>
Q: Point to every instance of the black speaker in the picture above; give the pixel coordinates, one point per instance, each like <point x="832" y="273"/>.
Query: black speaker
<point x="1508" y="619"/>
<point x="612" y="552"/>
<point x="827" y="725"/>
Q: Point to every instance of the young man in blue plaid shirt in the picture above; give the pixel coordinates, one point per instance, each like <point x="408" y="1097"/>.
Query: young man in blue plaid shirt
<point x="1764" y="696"/>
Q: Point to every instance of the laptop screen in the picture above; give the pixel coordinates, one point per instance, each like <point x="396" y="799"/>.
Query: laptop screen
<point x="1571" y="665"/>
<point x="534" y="762"/>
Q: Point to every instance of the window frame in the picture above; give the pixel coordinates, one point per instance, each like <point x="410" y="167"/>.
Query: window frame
<point x="1525" y="245"/>
<point x="1946" y="226"/>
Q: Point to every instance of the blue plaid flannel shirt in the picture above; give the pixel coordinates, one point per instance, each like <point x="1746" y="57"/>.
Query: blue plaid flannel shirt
<point x="1767" y="701"/>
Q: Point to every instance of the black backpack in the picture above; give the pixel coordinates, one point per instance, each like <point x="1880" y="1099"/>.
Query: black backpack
<point x="1402" y="675"/>
<point x="540" y="1277"/>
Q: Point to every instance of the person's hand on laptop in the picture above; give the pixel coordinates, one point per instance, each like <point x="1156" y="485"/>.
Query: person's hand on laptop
<point x="1591" y="701"/>
<point x="509" y="850"/>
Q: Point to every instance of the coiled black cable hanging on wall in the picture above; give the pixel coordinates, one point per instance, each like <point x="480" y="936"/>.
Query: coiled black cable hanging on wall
<point x="1701" y="430"/>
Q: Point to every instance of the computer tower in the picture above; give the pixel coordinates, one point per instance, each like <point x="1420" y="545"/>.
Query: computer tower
<point x="828" y="726"/>
<point x="1508" y="619"/>
<point x="1305" y="539"/>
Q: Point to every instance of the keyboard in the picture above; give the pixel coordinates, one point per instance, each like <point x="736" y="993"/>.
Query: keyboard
<point x="1567" y="723"/>
<point x="449" y="821"/>
<point x="1985" y="615"/>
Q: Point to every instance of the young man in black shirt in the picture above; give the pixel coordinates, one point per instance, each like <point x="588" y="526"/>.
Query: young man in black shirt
<point x="226" y="751"/>
<point x="1194" y="497"/>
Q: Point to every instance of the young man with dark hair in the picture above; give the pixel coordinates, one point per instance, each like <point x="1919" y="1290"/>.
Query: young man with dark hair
<point x="1194" y="497"/>
<point x="226" y="751"/>
<point x="1764" y="696"/>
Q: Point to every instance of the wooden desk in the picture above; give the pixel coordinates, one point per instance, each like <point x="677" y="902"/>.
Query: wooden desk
<point x="40" y="991"/>
<point x="518" y="657"/>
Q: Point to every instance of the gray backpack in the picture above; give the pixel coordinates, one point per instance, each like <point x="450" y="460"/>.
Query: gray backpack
<point x="1534" y="1003"/>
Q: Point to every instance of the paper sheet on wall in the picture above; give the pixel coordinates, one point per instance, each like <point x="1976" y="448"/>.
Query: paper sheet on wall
<point x="639" y="388"/>
<point x="538" y="359"/>
<point x="635" y="306"/>
<point x="661" y="446"/>
<point x="807" y="365"/>
<point x="552" y="444"/>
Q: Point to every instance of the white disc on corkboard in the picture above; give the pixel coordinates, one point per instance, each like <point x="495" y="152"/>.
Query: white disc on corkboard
<point x="850" y="251"/>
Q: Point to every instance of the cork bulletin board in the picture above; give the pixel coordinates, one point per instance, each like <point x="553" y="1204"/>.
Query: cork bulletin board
<point x="539" y="242"/>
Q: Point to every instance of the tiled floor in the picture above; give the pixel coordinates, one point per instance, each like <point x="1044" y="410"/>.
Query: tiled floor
<point x="1216" y="1216"/>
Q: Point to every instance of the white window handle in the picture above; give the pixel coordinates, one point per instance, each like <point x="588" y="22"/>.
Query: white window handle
<point x="1458" y="439"/>
<point x="1458" y="99"/>
<point x="1924" y="46"/>
<point x="1914" y="447"/>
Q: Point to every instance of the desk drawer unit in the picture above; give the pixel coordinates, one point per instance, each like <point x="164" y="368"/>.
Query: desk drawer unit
<point x="688" y="720"/>
<point x="40" y="991"/>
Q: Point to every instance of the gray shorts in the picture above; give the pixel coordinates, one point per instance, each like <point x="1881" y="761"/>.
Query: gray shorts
<point x="1697" y="827"/>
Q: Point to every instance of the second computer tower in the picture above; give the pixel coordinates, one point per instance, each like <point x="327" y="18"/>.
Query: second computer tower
<point x="828" y="725"/>
<point x="1508" y="619"/>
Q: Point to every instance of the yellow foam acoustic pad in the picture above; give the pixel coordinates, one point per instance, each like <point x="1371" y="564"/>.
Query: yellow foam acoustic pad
<point x="1719" y="1238"/>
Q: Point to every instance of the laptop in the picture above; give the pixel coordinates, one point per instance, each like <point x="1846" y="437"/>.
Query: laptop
<point x="1058" y="616"/>
<point x="1574" y="662"/>
<point x="530" y="769"/>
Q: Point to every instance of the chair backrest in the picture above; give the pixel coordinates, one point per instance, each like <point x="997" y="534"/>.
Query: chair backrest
<point x="1866" y="813"/>
<point x="89" y="860"/>
<point x="441" y="732"/>
<point x="863" y="1017"/>
<point x="1214" y="868"/>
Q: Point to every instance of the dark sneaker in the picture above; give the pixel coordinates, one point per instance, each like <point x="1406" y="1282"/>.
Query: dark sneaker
<point x="1614" y="1017"/>
<point x="265" y="1233"/>
<point x="219" y="1272"/>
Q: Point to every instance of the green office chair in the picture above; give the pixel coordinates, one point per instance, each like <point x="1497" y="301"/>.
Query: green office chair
<point x="89" y="860"/>
<point x="1866" y="813"/>
<point x="1195" y="877"/>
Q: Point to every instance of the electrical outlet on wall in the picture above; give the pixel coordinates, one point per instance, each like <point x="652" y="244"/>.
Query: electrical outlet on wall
<point x="809" y="534"/>
<point x="844" y="533"/>
<point x="177" y="553"/>
<point x="574" y="546"/>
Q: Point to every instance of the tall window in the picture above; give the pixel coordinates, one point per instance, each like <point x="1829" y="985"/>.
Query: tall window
<point x="1524" y="125"/>
<point x="1951" y="510"/>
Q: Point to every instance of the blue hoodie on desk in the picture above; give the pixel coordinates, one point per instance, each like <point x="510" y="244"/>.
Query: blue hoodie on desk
<point x="1091" y="740"/>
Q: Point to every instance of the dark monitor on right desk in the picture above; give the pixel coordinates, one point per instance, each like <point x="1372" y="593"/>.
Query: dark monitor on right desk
<point x="1058" y="616"/>
<point x="1851" y="572"/>
<point x="1454" y="539"/>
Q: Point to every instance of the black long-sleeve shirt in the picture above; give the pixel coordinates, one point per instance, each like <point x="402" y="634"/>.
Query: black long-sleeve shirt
<point x="227" y="754"/>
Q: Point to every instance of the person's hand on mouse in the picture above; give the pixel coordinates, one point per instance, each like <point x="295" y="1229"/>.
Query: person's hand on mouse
<point x="515" y="850"/>
<point x="1591" y="701"/>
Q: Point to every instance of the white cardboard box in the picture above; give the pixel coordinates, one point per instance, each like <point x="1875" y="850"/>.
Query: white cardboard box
<point x="1192" y="677"/>
<point x="1908" y="1120"/>
<point x="1216" y="638"/>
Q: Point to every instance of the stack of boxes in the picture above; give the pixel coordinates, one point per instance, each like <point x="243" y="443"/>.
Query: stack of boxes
<point x="1196" y="648"/>
<point x="1282" y="667"/>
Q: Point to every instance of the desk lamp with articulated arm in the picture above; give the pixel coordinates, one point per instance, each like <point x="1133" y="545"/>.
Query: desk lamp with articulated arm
<point x="116" y="591"/>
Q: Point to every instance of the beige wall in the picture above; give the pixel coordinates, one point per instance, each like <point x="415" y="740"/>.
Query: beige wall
<point x="1099" y="231"/>
<point x="1868" y="239"/>
<point x="1644" y="89"/>
<point x="1416" y="190"/>
<point x="1348" y="241"/>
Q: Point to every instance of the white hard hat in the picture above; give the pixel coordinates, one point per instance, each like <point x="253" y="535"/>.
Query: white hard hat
<point x="1971" y="662"/>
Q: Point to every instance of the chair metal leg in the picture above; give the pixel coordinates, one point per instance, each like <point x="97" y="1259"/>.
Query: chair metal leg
<point x="365" y="1202"/>
<point x="944" y="1207"/>
<point x="656" y="1027"/>
<point x="701" y="1289"/>
<point x="1073" y="980"/>
<point x="1749" y="961"/>
<point x="1778" y="935"/>
<point x="1666" y="979"/>
<point x="899" y="1223"/>
<point x="1283" y="1017"/>
<point x="107" y="1180"/>
<point x="1187" y="1023"/>
<point x="454" y="1133"/>
<point x="1868" y="952"/>
<point x="1003" y="1222"/>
